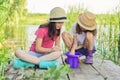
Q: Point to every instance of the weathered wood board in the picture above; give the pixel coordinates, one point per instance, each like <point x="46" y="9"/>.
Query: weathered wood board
<point x="97" y="71"/>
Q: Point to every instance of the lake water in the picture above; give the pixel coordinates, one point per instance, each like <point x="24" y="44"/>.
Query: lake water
<point x="30" y="30"/>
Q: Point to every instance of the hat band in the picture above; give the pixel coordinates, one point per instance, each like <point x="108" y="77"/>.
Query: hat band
<point x="58" y="18"/>
<point x="85" y="24"/>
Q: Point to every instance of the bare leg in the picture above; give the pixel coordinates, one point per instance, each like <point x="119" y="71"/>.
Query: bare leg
<point x="89" y="41"/>
<point x="85" y="44"/>
<point x="26" y="57"/>
<point x="35" y="60"/>
<point x="68" y="40"/>
<point x="51" y="56"/>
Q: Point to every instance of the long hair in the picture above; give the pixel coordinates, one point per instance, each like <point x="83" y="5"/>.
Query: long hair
<point x="52" y="31"/>
<point x="79" y="31"/>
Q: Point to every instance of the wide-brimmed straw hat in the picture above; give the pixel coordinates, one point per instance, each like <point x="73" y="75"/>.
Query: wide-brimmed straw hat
<point x="87" y="21"/>
<point x="57" y="14"/>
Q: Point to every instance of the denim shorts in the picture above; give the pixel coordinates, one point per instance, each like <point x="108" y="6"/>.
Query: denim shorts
<point x="84" y="50"/>
<point x="36" y="54"/>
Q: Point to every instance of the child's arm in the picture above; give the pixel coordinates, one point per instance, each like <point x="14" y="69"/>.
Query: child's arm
<point x="57" y="42"/>
<point x="76" y="44"/>
<point x="44" y="50"/>
<point x="41" y="49"/>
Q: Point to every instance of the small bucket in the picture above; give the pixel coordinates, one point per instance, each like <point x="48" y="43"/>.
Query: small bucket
<point x="73" y="59"/>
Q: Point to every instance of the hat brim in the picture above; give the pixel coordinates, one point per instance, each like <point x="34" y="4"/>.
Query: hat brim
<point x="87" y="28"/>
<point x="64" y="20"/>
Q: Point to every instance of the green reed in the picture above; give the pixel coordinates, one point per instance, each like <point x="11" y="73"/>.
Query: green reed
<point x="72" y="14"/>
<point x="108" y="36"/>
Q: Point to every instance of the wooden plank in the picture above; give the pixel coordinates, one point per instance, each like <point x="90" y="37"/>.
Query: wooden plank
<point x="63" y="63"/>
<point x="100" y="71"/>
<point x="13" y="74"/>
<point x="109" y="70"/>
<point x="85" y="72"/>
<point x="106" y="71"/>
<point x="16" y="74"/>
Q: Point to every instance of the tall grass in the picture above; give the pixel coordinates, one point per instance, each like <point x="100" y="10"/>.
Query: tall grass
<point x="118" y="14"/>
<point x="72" y="14"/>
<point x="34" y="19"/>
<point x="108" y="36"/>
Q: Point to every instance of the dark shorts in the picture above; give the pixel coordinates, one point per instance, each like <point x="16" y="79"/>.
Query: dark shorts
<point x="83" y="50"/>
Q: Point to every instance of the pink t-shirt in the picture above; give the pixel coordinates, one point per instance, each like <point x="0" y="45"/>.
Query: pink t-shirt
<point x="47" y="42"/>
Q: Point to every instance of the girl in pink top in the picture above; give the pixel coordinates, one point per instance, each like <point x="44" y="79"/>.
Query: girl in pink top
<point x="46" y="46"/>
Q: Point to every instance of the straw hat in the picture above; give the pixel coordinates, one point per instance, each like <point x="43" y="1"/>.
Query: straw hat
<point x="87" y="21"/>
<point x="57" y="14"/>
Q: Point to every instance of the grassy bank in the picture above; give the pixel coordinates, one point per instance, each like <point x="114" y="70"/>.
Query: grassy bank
<point x="34" y="19"/>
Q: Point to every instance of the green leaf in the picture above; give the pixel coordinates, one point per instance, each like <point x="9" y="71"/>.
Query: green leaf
<point x="3" y="8"/>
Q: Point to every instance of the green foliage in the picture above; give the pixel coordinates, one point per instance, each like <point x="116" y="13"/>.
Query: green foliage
<point x="54" y="73"/>
<point x="72" y="14"/>
<point x="108" y="35"/>
<point x="34" y="19"/>
<point x="4" y="59"/>
<point x="3" y="11"/>
<point x="103" y="19"/>
<point x="119" y="37"/>
<point x="10" y="13"/>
